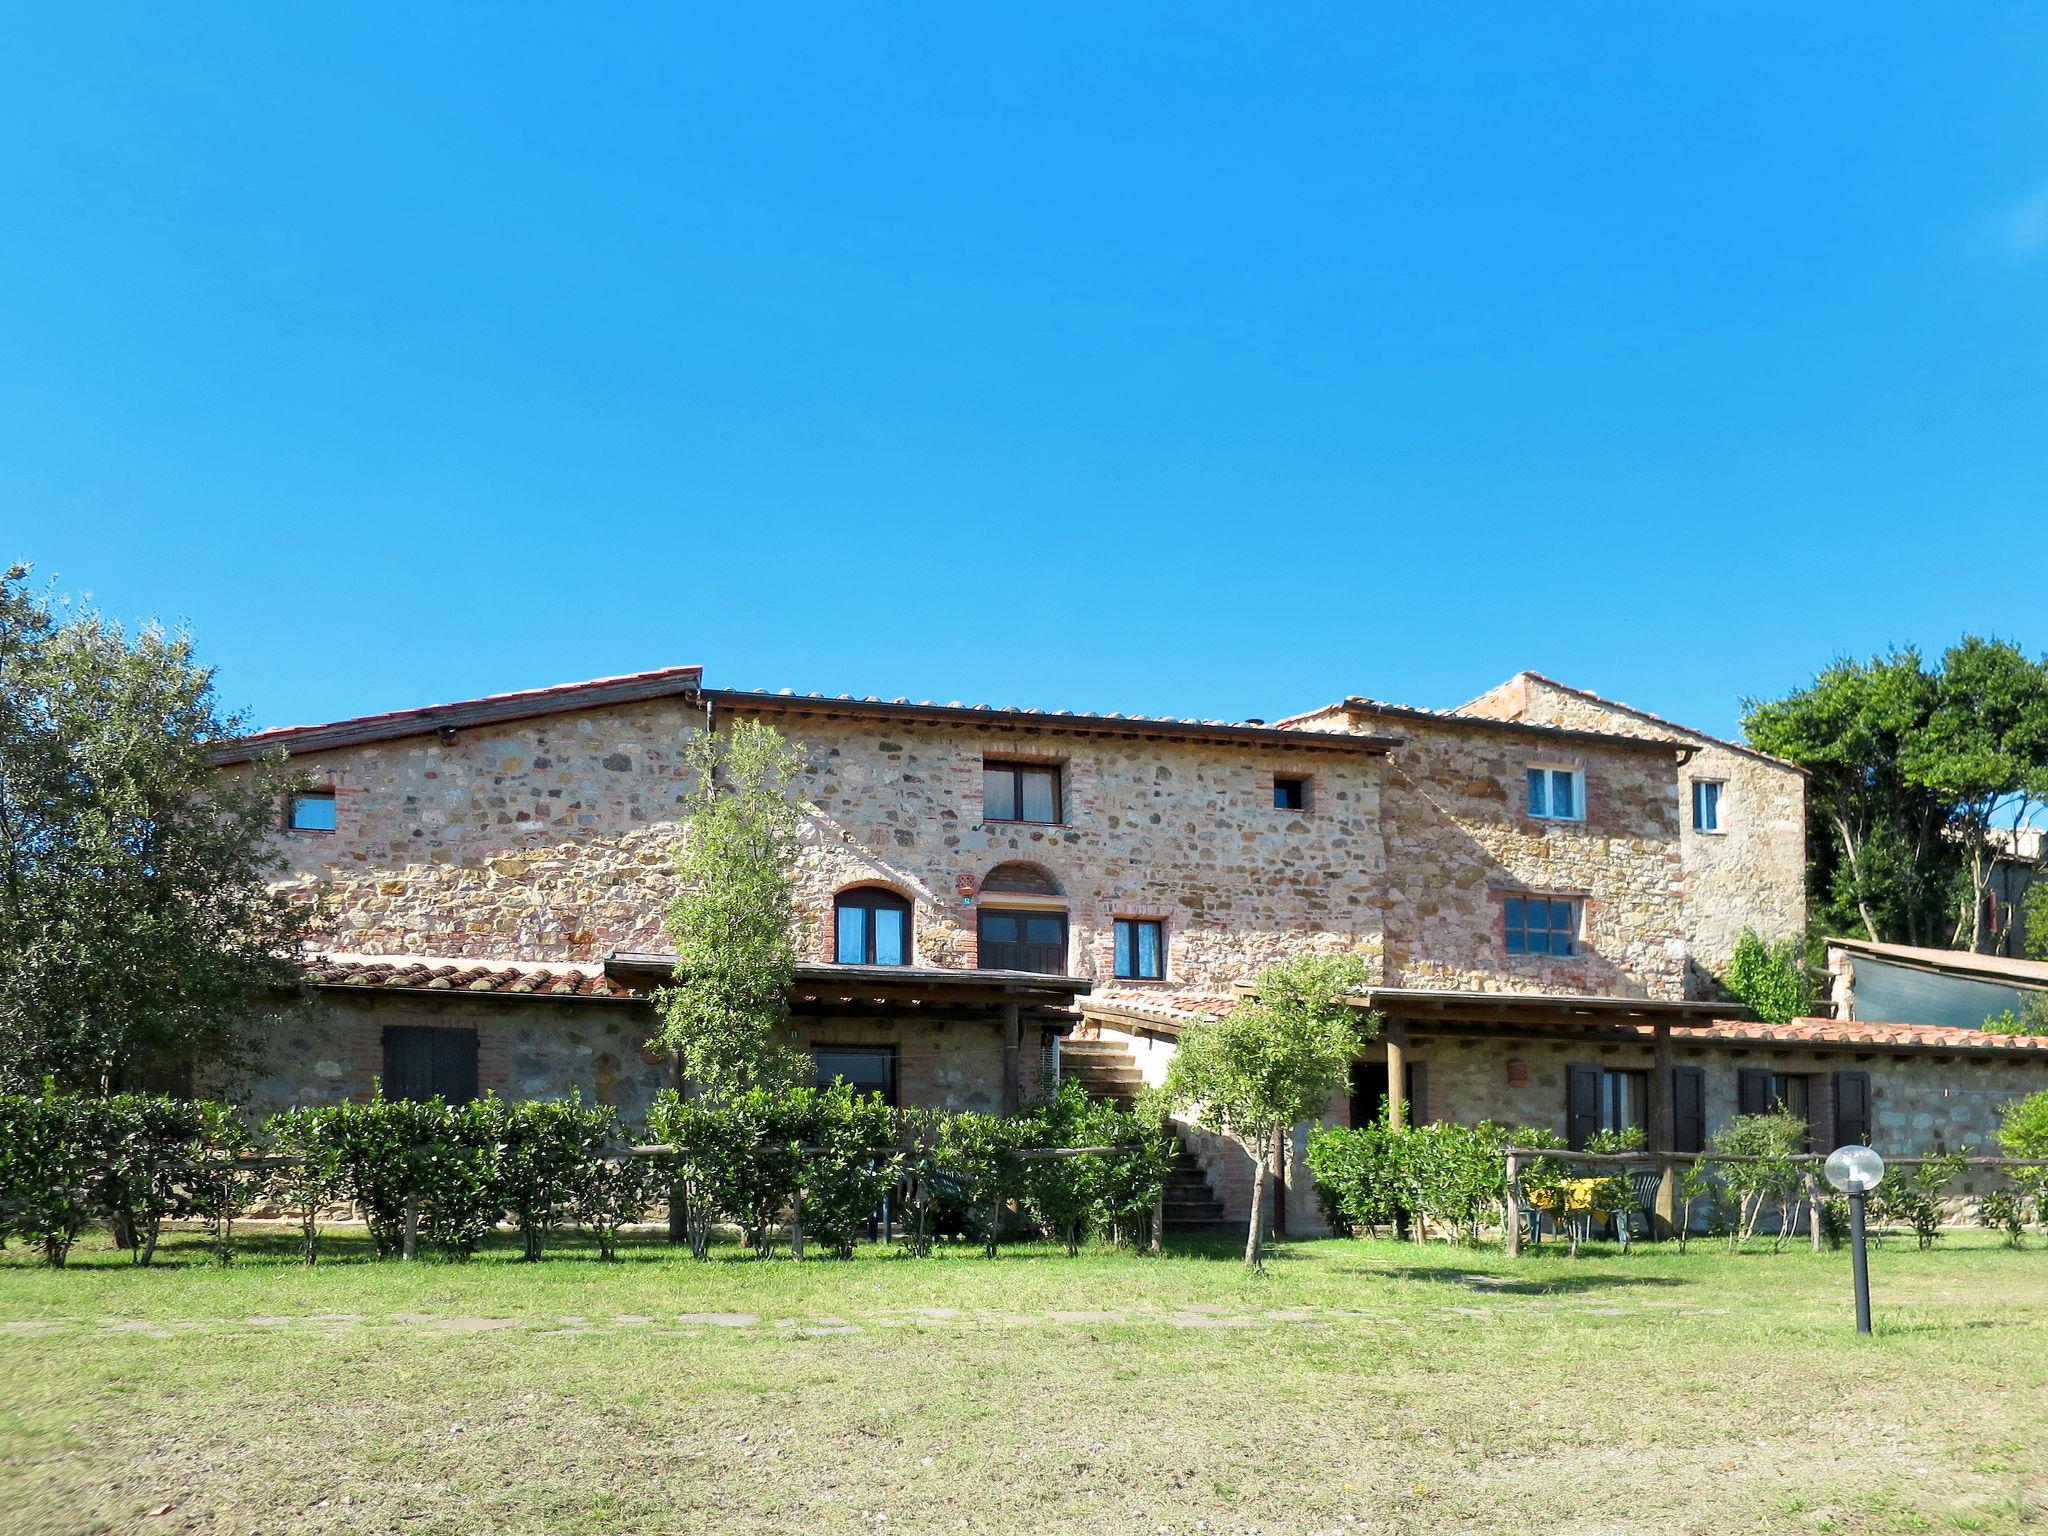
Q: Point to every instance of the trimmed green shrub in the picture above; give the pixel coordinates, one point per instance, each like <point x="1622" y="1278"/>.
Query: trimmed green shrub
<point x="613" y="1190"/>
<point x="977" y="1172"/>
<point x="850" y="1162"/>
<point x="313" y="1180"/>
<point x="1911" y="1197"/>
<point x="1774" y="1180"/>
<point x="52" y="1165"/>
<point x="544" y="1146"/>
<point x="2004" y="1210"/>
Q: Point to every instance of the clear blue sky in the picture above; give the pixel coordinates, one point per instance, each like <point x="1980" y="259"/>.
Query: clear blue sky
<point x="1214" y="360"/>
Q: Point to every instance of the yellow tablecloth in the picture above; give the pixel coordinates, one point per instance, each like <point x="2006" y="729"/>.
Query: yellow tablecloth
<point x="1578" y="1196"/>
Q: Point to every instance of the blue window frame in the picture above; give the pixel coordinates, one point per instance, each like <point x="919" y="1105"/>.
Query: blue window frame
<point x="1706" y="805"/>
<point x="1140" y="949"/>
<point x="1541" y="925"/>
<point x="873" y="928"/>
<point x="1556" y="794"/>
<point x="312" y="812"/>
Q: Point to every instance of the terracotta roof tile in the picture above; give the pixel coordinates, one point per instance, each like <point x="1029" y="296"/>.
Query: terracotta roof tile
<point x="432" y="975"/>
<point x="1862" y="1032"/>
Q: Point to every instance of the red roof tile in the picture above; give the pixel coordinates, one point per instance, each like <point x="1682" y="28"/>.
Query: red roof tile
<point x="432" y="975"/>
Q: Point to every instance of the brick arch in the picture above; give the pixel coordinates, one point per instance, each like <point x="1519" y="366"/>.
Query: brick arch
<point x="1018" y="877"/>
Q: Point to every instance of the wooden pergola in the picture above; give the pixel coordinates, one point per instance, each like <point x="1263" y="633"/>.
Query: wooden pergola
<point x="1451" y="1013"/>
<point x="1005" y="999"/>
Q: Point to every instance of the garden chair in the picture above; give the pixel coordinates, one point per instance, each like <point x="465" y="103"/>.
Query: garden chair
<point x="1641" y="1217"/>
<point x="1530" y="1217"/>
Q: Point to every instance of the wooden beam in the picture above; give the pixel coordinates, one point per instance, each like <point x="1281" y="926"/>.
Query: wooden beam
<point x="1013" y="1089"/>
<point x="1663" y="1125"/>
<point x="1397" y="1073"/>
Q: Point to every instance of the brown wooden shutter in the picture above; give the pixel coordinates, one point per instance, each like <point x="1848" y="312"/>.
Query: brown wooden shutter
<point x="1418" y="1093"/>
<point x="1688" y="1109"/>
<point x="1581" y="1104"/>
<point x="1752" y="1091"/>
<point x="1852" y="1108"/>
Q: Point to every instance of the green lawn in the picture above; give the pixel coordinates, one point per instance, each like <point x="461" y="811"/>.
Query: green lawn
<point x="1355" y="1387"/>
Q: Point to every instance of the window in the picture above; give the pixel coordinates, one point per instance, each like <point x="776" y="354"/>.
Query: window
<point x="1706" y="805"/>
<point x="1624" y="1100"/>
<point x="311" y="812"/>
<point x="1024" y="941"/>
<point x="1140" y="949"/>
<point x="423" y="1063"/>
<point x="863" y="1068"/>
<point x="873" y="927"/>
<point x="1760" y="1091"/>
<point x="1601" y="1098"/>
<point x="1541" y="925"/>
<point x="1020" y="792"/>
<point x="1290" y="794"/>
<point x="1557" y="794"/>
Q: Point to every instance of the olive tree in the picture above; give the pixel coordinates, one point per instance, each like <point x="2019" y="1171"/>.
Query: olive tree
<point x="1272" y="1062"/>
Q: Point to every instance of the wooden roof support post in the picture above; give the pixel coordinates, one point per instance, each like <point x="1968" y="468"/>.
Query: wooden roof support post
<point x="1013" y="1031"/>
<point x="1397" y="1073"/>
<point x="1663" y="1132"/>
<point x="1514" y="1212"/>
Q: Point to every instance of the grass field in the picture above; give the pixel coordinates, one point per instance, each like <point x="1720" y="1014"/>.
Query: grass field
<point x="1355" y="1387"/>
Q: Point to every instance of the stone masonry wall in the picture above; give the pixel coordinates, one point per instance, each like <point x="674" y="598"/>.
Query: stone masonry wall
<point x="553" y="839"/>
<point x="1751" y="872"/>
<point x="332" y="1049"/>
<point x="1459" y="840"/>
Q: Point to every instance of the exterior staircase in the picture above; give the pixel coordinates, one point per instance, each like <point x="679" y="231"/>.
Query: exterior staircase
<point x="1105" y="1069"/>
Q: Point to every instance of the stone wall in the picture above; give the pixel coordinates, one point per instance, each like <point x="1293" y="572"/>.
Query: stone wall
<point x="1919" y="1103"/>
<point x="1453" y="814"/>
<point x="332" y="1049"/>
<point x="1751" y="872"/>
<point x="553" y="839"/>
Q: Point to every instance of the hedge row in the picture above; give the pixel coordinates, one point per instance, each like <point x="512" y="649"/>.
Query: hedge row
<point x="443" y="1176"/>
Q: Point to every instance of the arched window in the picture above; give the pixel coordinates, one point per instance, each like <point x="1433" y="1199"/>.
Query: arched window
<point x="1020" y="880"/>
<point x="873" y="927"/>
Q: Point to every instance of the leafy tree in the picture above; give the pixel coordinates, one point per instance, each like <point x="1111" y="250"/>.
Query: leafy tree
<point x="137" y="926"/>
<point x="1984" y="752"/>
<point x="2023" y="1132"/>
<point x="734" y="921"/>
<point x="612" y="1190"/>
<point x="544" y="1147"/>
<point x="2031" y="1018"/>
<point x="1911" y="770"/>
<point x="1771" y="979"/>
<point x="977" y="1173"/>
<point x="1774" y="1139"/>
<point x="1912" y="1196"/>
<point x="1272" y="1062"/>
<point x="313" y="1178"/>
<point x="850" y="1162"/>
<point x="2004" y="1210"/>
<point x="1878" y="860"/>
<point x="2034" y="905"/>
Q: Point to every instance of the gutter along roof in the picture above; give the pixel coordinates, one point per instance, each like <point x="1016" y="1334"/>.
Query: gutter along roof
<point x="1381" y="710"/>
<point x="488" y="710"/>
<point x="1062" y="722"/>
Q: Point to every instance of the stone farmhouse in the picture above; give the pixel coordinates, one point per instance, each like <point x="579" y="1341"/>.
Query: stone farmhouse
<point x="1543" y="885"/>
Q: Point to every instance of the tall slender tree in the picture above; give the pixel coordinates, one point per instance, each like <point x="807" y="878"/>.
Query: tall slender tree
<point x="734" y="921"/>
<point x="138" y="929"/>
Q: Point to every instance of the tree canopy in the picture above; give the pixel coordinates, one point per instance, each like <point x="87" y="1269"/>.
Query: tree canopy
<point x="1272" y="1062"/>
<point x="138" y="930"/>
<point x="1911" y="768"/>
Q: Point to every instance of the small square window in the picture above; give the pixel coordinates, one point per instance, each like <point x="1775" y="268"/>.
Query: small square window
<point x="1706" y="805"/>
<point x="1541" y="925"/>
<point x="1140" y="949"/>
<point x="312" y="812"/>
<point x="1557" y="794"/>
<point x="1020" y="792"/>
<point x="1290" y="794"/>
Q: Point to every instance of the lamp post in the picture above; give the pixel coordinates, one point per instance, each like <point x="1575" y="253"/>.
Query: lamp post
<point x="1856" y="1171"/>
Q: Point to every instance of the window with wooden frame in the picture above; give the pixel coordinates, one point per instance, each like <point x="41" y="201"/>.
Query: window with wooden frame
<point x="311" y="810"/>
<point x="1140" y="949"/>
<point x="1706" y="805"/>
<point x="1289" y="793"/>
<point x="1599" y="1098"/>
<point x="1028" y="792"/>
<point x="871" y="927"/>
<point x="1557" y="794"/>
<point x="422" y="1062"/>
<point x="1020" y="940"/>
<point x="1763" y="1091"/>
<point x="863" y="1068"/>
<point x="1541" y="925"/>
